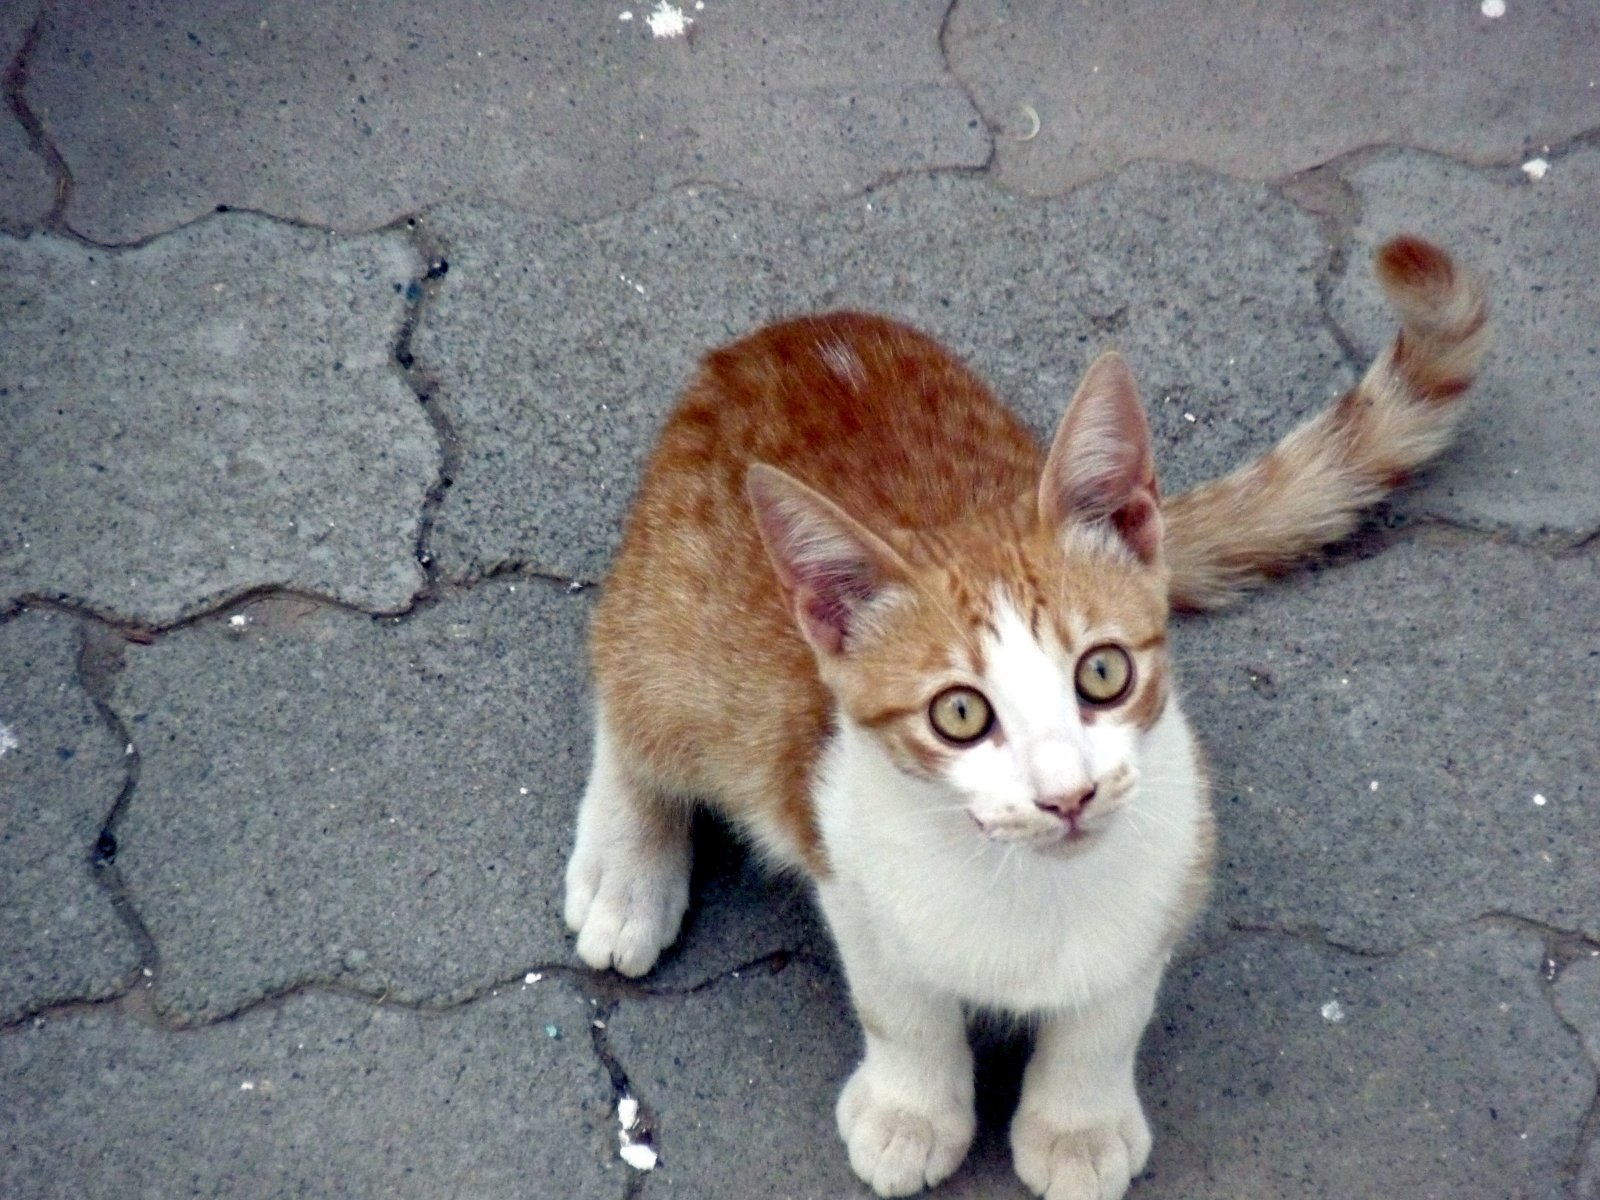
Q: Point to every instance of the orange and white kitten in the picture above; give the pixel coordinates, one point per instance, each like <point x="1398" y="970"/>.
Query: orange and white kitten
<point x="863" y="614"/>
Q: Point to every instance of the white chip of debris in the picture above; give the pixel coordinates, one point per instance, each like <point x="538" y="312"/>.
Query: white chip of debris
<point x="1536" y="168"/>
<point x="668" y="20"/>
<point x="1333" y="1012"/>
<point x="8" y="740"/>
<point x="628" y="1112"/>
<point x="638" y="1156"/>
<point x="1493" y="8"/>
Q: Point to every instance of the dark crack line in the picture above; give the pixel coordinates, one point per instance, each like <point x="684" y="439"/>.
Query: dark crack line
<point x="16" y="83"/>
<point x="610" y="989"/>
<point x="1348" y="161"/>
<point x="1588" y="1133"/>
<point x="145" y="633"/>
<point x="621" y="1086"/>
<point x="222" y="211"/>
<point x="1561" y="945"/>
<point x="518" y="568"/>
<point x="990" y="132"/>
<point x="99" y="663"/>
<point x="1586" y="1145"/>
<point x="426" y="387"/>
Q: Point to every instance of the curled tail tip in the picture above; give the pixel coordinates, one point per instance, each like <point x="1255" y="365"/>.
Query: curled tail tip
<point x="1414" y="264"/>
<point x="1432" y="294"/>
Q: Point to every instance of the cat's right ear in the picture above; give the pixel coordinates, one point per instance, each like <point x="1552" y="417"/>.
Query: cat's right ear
<point x="832" y="567"/>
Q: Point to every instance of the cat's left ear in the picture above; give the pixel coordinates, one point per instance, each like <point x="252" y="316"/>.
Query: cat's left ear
<point x="833" y="568"/>
<point x="1101" y="466"/>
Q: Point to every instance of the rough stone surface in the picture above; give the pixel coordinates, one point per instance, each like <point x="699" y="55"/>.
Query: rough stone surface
<point x="1264" y="90"/>
<point x="1362" y="797"/>
<point x="326" y="859"/>
<point x="1442" y="1074"/>
<point x="322" y="1095"/>
<point x="212" y="413"/>
<point x="1533" y="431"/>
<point x="560" y="348"/>
<point x="742" y="1073"/>
<point x="61" y="770"/>
<point x="1577" y="998"/>
<point x="738" y="913"/>
<point x="27" y="187"/>
<point x="327" y="798"/>
<point x="1577" y="995"/>
<point x="1445" y="1063"/>
<point x="354" y="114"/>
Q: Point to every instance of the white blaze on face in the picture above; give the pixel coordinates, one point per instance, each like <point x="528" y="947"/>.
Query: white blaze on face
<point x="1044" y="747"/>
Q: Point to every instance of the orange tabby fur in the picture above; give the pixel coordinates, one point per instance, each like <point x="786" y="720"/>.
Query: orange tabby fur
<point x="1309" y="490"/>
<point x="903" y="437"/>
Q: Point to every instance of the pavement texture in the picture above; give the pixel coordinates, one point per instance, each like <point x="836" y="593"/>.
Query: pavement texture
<point x="331" y="341"/>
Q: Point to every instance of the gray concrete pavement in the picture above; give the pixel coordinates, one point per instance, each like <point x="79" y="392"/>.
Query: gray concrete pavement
<point x="303" y="506"/>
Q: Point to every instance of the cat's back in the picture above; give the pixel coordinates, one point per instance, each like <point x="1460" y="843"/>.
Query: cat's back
<point x="870" y="411"/>
<point x="695" y="654"/>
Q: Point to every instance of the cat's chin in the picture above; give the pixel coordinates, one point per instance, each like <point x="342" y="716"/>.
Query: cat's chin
<point x="1059" y="842"/>
<point x="1066" y="843"/>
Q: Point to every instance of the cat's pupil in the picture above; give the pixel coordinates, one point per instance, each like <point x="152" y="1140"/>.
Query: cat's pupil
<point x="960" y="715"/>
<point x="1104" y="675"/>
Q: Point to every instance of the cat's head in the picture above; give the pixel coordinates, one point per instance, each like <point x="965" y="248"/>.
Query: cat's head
<point x="1016" y="657"/>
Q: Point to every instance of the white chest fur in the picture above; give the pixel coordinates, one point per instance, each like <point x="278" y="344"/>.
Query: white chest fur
<point x="1000" y="924"/>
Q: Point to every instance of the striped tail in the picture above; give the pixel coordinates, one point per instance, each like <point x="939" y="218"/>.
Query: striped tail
<point x="1228" y="535"/>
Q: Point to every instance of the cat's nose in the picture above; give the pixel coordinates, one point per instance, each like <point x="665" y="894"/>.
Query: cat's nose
<point x="1065" y="805"/>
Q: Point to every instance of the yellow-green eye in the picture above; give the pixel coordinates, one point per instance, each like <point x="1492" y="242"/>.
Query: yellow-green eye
<point x="1104" y="675"/>
<point x="960" y="715"/>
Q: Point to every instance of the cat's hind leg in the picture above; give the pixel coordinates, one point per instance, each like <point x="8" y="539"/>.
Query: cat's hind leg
<point x="628" y="877"/>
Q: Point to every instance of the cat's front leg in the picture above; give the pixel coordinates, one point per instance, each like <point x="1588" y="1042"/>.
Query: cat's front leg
<point x="628" y="877"/>
<point x="906" y="1114"/>
<point x="1079" y="1132"/>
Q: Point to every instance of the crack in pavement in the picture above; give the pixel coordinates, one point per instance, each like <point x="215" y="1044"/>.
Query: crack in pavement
<point x="39" y="141"/>
<point x="100" y="660"/>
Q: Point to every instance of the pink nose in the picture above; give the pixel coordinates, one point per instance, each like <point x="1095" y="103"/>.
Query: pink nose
<point x="1066" y="805"/>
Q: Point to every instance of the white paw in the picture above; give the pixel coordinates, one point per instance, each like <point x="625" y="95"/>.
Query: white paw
<point x="902" y="1143"/>
<point x="626" y="901"/>
<point x="1087" y="1159"/>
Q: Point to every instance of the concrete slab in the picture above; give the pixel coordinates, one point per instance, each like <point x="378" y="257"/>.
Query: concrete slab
<point x="1395" y="742"/>
<point x="61" y="771"/>
<point x="738" y="913"/>
<point x="321" y="1095"/>
<point x="1445" y="1065"/>
<point x="1262" y="91"/>
<point x="560" y="348"/>
<point x="1577" y="1000"/>
<point x="1533" y="437"/>
<point x="738" y="1083"/>
<point x="1442" y="1073"/>
<point x="325" y="798"/>
<point x="1577" y="996"/>
<point x="214" y="412"/>
<point x="162" y="111"/>
<point x="27" y="186"/>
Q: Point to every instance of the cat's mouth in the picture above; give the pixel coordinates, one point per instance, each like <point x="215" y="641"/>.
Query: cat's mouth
<point x="1056" y="837"/>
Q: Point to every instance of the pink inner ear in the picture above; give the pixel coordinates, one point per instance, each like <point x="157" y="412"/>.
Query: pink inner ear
<point x="1101" y="466"/>
<point x="1138" y="523"/>
<point x="831" y="565"/>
